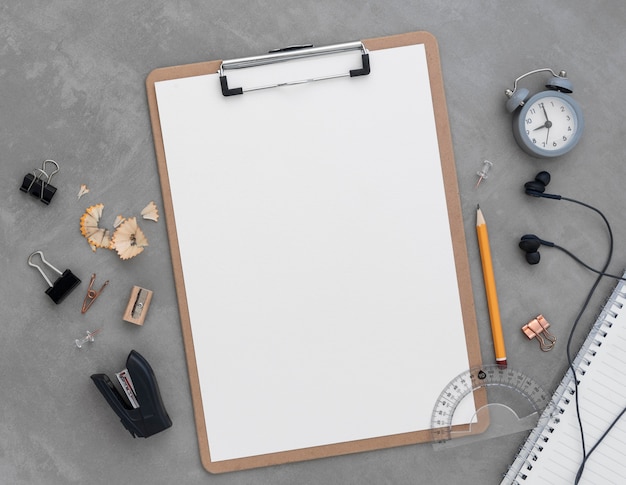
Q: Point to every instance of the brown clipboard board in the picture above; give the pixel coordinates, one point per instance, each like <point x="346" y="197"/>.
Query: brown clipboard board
<point x="458" y="242"/>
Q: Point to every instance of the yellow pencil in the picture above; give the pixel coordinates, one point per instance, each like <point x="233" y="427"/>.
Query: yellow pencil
<point x="490" y="289"/>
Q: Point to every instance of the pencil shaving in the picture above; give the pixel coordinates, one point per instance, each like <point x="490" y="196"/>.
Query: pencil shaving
<point x="118" y="220"/>
<point x="150" y="212"/>
<point x="97" y="236"/>
<point x="128" y="239"/>
<point x="83" y="190"/>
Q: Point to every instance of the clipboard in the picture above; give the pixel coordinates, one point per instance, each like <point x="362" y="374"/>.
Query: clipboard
<point x="243" y="203"/>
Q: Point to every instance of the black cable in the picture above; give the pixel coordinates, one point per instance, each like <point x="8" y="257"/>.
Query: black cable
<point x="569" y="343"/>
<point x="582" y="263"/>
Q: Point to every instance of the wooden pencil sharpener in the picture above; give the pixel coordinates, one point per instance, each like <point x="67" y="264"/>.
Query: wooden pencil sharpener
<point x="138" y="305"/>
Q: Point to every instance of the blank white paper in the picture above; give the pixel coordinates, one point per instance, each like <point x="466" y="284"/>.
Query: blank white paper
<point x="316" y="253"/>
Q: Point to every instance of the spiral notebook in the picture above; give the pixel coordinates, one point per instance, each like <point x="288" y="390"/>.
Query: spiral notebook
<point x="552" y="453"/>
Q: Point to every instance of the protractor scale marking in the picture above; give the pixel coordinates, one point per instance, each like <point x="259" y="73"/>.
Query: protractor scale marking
<point x="509" y="387"/>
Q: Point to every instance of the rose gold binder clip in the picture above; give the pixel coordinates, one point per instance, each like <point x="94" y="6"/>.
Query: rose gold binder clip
<point x="92" y="294"/>
<point x="538" y="327"/>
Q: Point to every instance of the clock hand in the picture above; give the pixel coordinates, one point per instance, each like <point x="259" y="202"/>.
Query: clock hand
<point x="547" y="124"/>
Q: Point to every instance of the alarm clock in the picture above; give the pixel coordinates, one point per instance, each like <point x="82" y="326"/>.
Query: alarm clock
<point x="549" y="123"/>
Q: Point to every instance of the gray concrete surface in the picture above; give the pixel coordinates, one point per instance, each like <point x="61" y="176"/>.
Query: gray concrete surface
<point x="72" y="89"/>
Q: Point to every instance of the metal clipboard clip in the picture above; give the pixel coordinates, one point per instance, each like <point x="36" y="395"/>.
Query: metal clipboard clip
<point x="292" y="53"/>
<point x="38" y="184"/>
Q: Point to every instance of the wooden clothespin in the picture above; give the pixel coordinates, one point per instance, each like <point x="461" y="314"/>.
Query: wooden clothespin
<point x="92" y="294"/>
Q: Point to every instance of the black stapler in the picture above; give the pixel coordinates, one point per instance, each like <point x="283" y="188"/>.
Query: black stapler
<point x="143" y="414"/>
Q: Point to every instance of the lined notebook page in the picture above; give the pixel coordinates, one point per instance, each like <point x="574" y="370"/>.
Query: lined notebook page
<point x="556" y="456"/>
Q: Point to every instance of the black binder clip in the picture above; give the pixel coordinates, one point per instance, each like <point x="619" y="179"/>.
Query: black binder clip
<point x="38" y="184"/>
<point x="63" y="285"/>
<point x="143" y="414"/>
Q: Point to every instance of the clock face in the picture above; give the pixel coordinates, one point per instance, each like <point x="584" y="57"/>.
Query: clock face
<point x="549" y="124"/>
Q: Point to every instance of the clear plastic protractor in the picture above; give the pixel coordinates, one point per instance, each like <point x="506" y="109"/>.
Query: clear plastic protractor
<point x="506" y="387"/>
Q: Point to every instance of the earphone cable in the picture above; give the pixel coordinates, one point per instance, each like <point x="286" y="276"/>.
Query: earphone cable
<point x="582" y="263"/>
<point x="569" y="343"/>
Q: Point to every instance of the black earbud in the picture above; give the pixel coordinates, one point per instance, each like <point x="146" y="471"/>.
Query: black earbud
<point x="537" y="187"/>
<point x="530" y="244"/>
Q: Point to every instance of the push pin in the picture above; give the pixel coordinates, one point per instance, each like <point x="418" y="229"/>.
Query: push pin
<point x="538" y="327"/>
<point x="63" y="285"/>
<point x="38" y="184"/>
<point x="138" y="304"/>
<point x="483" y="172"/>
<point x="87" y="338"/>
<point x="92" y="294"/>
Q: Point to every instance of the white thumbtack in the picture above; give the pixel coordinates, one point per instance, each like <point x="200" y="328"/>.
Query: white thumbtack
<point x="87" y="338"/>
<point x="482" y="173"/>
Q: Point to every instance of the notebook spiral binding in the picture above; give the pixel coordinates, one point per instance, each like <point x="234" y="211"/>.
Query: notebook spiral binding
<point x="563" y="396"/>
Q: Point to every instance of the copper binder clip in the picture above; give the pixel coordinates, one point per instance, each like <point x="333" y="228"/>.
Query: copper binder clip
<point x="538" y="327"/>
<point x="92" y="294"/>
